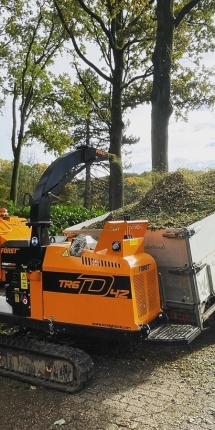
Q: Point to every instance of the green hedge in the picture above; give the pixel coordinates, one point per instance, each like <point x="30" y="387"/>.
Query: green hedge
<point x="62" y="216"/>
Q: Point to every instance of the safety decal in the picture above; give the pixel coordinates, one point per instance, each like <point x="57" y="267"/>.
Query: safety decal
<point x="65" y="253"/>
<point x="34" y="241"/>
<point x="133" y="242"/>
<point x="24" y="281"/>
<point x="17" y="298"/>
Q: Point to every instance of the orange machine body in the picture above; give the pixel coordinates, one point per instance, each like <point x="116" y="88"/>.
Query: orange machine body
<point x="113" y="286"/>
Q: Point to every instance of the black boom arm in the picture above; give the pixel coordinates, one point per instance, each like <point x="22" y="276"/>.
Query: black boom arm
<point x="55" y="177"/>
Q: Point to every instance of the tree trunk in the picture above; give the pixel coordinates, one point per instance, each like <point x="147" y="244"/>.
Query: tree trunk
<point x="26" y="100"/>
<point x="160" y="96"/>
<point x="16" y="151"/>
<point x="88" y="188"/>
<point x="15" y="172"/>
<point x="116" y="192"/>
<point x="88" y="184"/>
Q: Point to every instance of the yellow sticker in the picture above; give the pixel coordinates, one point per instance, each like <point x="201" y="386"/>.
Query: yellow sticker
<point x="133" y="242"/>
<point x="24" y="281"/>
<point x="17" y="298"/>
<point x="65" y="253"/>
<point x="24" y="284"/>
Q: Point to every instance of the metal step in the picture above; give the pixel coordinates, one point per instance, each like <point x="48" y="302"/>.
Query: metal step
<point x="180" y="334"/>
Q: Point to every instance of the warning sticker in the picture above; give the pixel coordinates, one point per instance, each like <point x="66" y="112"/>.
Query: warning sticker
<point x="65" y="253"/>
<point x="24" y="281"/>
<point x="133" y="242"/>
<point x="17" y="298"/>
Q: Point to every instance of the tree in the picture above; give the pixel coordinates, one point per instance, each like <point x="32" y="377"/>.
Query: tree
<point x="92" y="129"/>
<point x="74" y="115"/>
<point x="184" y="26"/>
<point x="5" y="181"/>
<point x="119" y="30"/>
<point x="55" y="115"/>
<point x="33" y="37"/>
<point x="95" y="128"/>
<point x="132" y="49"/>
<point x="29" y="176"/>
<point x="77" y="113"/>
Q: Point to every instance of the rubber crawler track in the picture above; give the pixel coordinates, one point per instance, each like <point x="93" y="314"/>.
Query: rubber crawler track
<point x="79" y="360"/>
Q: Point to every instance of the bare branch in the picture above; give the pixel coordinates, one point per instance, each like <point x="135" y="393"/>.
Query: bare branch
<point x="105" y="56"/>
<point x="39" y="60"/>
<point x="185" y="10"/>
<point x="99" y="20"/>
<point x="51" y="53"/>
<point x="78" y="51"/>
<point x="144" y="76"/>
<point x="91" y="97"/>
<point x="13" y="138"/>
<point x="26" y="61"/>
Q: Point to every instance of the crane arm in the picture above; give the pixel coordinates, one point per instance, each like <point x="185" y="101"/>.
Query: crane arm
<point x="55" y="177"/>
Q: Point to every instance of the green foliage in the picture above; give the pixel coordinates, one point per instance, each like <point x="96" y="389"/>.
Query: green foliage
<point x="172" y="200"/>
<point x="52" y="125"/>
<point x="21" y="211"/>
<point x="5" y="181"/>
<point x="135" y="186"/>
<point x="123" y="33"/>
<point x="28" y="178"/>
<point x="193" y="36"/>
<point x="66" y="216"/>
<point x="33" y="37"/>
<point x="131" y="26"/>
<point x="188" y="94"/>
<point x="62" y="216"/>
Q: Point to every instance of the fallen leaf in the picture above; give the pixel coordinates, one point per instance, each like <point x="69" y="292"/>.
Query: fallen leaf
<point x="59" y="422"/>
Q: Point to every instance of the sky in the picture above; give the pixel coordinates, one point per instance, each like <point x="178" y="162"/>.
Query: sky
<point x="191" y="143"/>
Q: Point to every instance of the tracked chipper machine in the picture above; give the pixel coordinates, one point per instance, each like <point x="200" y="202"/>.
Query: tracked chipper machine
<point x="106" y="286"/>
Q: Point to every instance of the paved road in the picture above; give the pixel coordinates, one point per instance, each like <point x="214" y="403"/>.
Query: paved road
<point x="154" y="388"/>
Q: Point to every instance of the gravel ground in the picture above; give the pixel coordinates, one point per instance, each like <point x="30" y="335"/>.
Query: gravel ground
<point x="160" y="388"/>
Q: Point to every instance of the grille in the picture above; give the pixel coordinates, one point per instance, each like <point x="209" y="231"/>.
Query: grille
<point x="152" y="290"/>
<point x="88" y="261"/>
<point x="146" y="302"/>
<point x="139" y="289"/>
<point x="181" y="316"/>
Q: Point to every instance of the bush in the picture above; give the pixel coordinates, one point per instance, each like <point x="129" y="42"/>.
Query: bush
<point x="62" y="216"/>
<point x="66" y="216"/>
